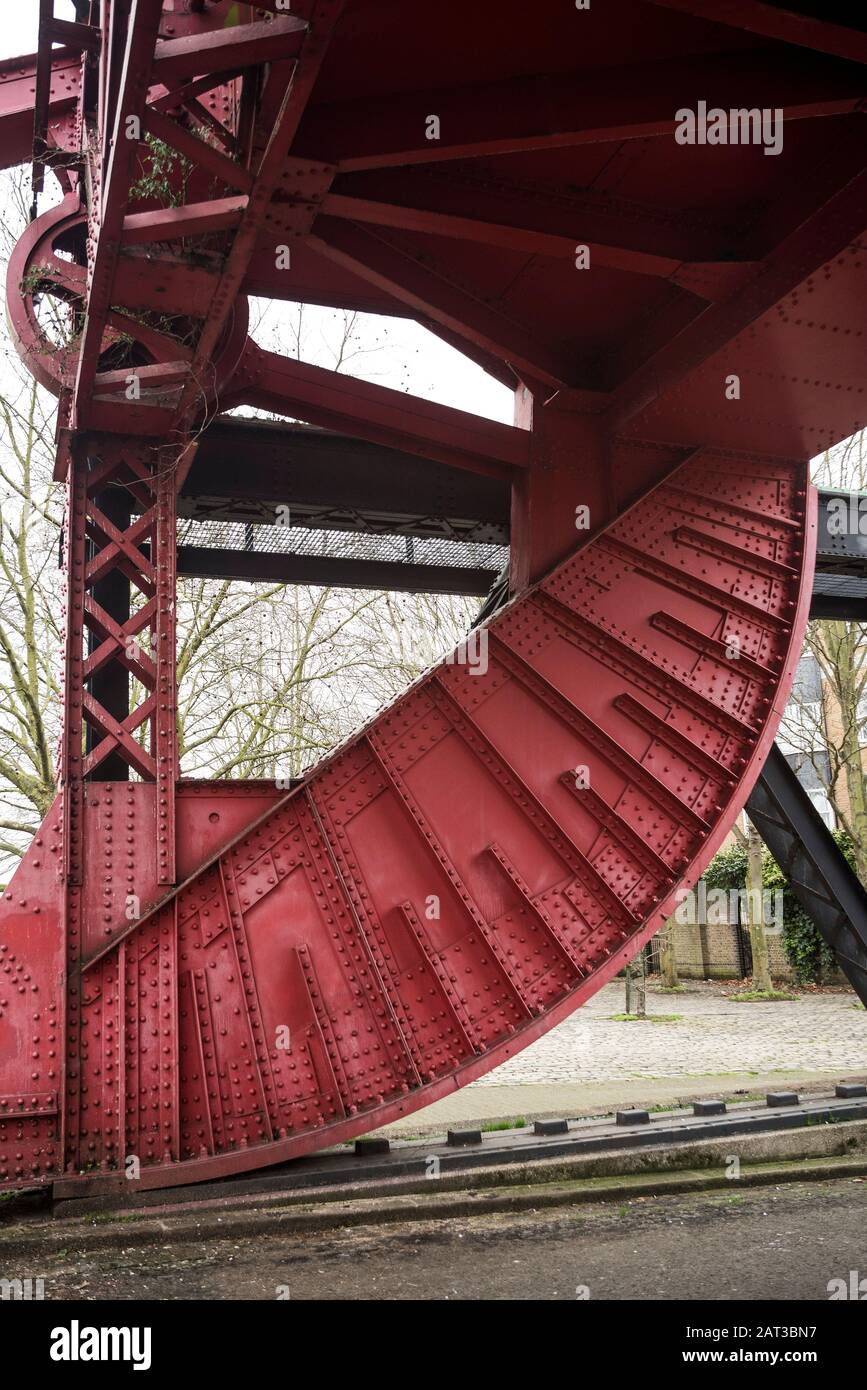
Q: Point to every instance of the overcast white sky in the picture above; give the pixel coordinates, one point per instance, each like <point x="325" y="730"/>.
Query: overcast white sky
<point x="406" y="357"/>
<point x="20" y="23"/>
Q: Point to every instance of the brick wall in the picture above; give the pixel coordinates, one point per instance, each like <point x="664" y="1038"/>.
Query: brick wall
<point x="711" y="951"/>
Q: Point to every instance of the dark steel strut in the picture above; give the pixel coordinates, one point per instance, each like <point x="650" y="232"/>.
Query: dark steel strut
<point x="820" y="876"/>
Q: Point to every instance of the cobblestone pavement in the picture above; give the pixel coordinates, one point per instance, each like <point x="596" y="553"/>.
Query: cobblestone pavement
<point x="819" y="1032"/>
<point x="591" y="1064"/>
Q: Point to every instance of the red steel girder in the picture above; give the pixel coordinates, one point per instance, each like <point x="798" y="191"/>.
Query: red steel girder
<point x="17" y="96"/>
<point x="523" y="216"/>
<point x="379" y="413"/>
<point x="187" y="94"/>
<point x="180" y="223"/>
<point x="519" y="238"/>
<point x="317" y="35"/>
<point x="821" y="237"/>
<point x="142" y="32"/>
<point x="42" y="96"/>
<point x="778" y="22"/>
<point x="802" y="199"/>
<point x="200" y="152"/>
<point x="524" y="223"/>
<point x="507" y="117"/>
<point x="204" y="562"/>
<point x="338" y="475"/>
<point x="426" y="290"/>
<point x="39" y="268"/>
<point x="227" y="50"/>
<point x="80" y="37"/>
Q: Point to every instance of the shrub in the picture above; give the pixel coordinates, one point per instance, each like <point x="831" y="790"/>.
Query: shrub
<point x="809" y="957"/>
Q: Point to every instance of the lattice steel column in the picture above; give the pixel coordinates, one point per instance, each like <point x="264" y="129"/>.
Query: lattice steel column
<point x="132" y="549"/>
<point x="120" y="713"/>
<point x="110" y="686"/>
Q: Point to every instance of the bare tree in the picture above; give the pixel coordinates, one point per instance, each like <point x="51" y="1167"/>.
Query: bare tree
<point x="29" y="616"/>
<point x="636" y="987"/>
<point x="266" y="676"/>
<point x="668" y="955"/>
<point x="755" y="913"/>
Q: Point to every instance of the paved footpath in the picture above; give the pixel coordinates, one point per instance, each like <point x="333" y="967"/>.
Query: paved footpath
<point x="715" y="1046"/>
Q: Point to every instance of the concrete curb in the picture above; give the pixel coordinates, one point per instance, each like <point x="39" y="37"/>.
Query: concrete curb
<point x="477" y="1105"/>
<point x="363" y="1173"/>
<point x="534" y="1191"/>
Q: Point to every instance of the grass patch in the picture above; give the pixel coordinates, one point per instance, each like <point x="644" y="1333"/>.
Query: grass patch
<point x="645" y="1018"/>
<point x="669" y="989"/>
<point x="762" y="996"/>
<point x="492" y="1125"/>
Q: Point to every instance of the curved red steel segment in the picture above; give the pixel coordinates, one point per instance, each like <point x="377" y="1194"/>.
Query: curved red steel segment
<point x="199" y="978"/>
<point x="463" y="873"/>
<point x="42" y="268"/>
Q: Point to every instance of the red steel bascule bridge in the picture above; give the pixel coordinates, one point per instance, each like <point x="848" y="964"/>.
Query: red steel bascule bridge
<point x="683" y="325"/>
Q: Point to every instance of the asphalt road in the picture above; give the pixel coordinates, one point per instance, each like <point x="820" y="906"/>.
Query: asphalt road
<point x="782" y="1243"/>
